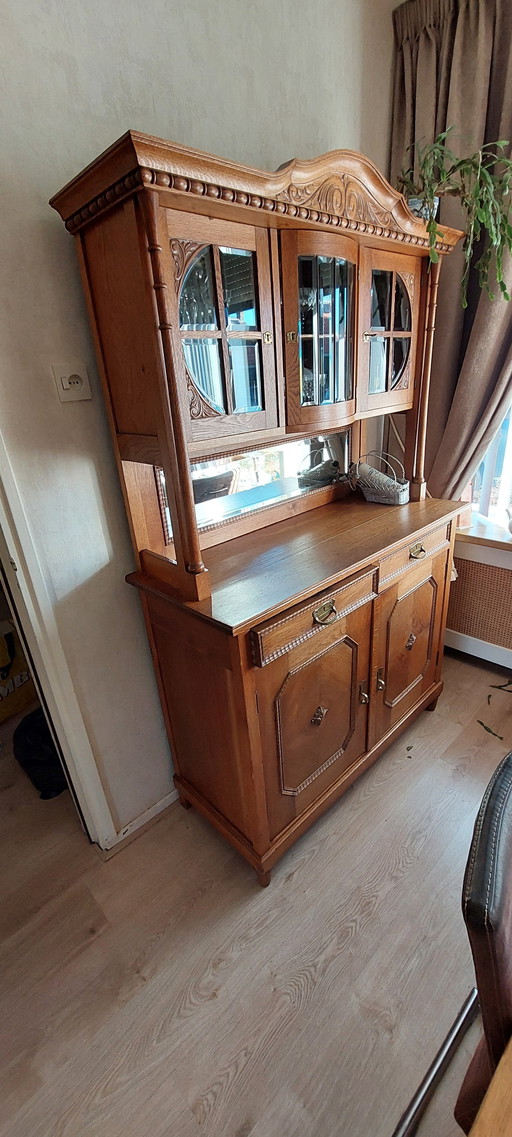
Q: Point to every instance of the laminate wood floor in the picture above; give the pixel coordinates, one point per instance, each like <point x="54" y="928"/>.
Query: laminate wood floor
<point x="162" y="993"/>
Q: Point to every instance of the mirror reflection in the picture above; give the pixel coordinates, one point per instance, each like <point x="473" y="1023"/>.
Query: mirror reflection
<point x="237" y="484"/>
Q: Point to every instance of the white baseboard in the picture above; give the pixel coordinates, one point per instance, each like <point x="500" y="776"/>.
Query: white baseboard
<point x="479" y="648"/>
<point x="143" y="819"/>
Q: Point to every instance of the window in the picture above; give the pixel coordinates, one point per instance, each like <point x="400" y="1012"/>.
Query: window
<point x="491" y="488"/>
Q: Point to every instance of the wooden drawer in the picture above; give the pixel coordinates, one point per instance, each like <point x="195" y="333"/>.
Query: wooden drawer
<point x="412" y="554"/>
<point x="277" y="636"/>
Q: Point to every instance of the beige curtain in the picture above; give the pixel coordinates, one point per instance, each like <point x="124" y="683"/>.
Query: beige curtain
<point x="453" y="66"/>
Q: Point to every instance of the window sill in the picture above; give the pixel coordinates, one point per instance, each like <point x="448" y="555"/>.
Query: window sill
<point x="484" y="532"/>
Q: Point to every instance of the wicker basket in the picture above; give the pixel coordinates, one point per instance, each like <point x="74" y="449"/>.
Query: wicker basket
<point x="377" y="486"/>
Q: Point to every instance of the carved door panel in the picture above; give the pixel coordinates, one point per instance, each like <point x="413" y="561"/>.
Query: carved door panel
<point x="225" y="318"/>
<point x="313" y="715"/>
<point x="319" y="290"/>
<point x="389" y="295"/>
<point x="406" y="644"/>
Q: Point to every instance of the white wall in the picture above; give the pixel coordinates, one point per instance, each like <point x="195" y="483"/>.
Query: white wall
<point x="259" y="83"/>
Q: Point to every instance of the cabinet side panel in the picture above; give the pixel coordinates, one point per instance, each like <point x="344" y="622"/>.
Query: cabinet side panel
<point x="125" y="318"/>
<point x="203" y="705"/>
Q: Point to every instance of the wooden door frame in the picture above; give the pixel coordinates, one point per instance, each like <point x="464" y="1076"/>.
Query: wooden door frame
<point x="34" y="611"/>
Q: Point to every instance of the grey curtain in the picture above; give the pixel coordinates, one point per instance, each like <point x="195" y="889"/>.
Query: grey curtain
<point x="453" y="66"/>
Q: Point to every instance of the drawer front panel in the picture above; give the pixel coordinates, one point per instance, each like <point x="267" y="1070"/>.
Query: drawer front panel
<point x="276" y="637"/>
<point x="410" y="555"/>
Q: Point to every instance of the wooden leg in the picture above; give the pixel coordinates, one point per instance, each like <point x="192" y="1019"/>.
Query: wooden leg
<point x="264" y="876"/>
<point x="432" y="706"/>
<point x="185" y="802"/>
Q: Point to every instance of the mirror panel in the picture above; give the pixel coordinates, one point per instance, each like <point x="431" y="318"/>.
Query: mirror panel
<point x="238" y="484"/>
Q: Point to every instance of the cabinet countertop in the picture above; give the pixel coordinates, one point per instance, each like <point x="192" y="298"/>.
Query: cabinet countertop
<point x="262" y="573"/>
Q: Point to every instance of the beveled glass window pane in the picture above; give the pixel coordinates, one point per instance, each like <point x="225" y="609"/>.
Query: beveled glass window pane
<point x="308" y="325"/>
<point x="379" y="348"/>
<point x="307" y="371"/>
<point x="401" y="349"/>
<point x="244" y="357"/>
<point x="344" y="323"/>
<point x="197" y="298"/>
<point x="307" y="296"/>
<point x="381" y="299"/>
<point x="326" y="329"/>
<point x="238" y="267"/>
<point x="202" y="357"/>
<point x="402" y="320"/>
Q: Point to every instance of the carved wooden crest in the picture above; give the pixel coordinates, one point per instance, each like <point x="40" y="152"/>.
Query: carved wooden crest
<point x="340" y="195"/>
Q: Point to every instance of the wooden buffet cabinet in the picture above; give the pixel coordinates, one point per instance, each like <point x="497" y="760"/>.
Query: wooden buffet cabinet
<point x="247" y="325"/>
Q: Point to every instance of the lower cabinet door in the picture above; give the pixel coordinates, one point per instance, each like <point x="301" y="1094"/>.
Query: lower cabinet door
<point x="313" y="707"/>
<point x="406" y="643"/>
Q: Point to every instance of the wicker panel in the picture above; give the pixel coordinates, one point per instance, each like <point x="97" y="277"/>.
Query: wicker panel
<point x="481" y="602"/>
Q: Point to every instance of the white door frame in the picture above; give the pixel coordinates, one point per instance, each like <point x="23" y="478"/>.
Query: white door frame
<point x="26" y="582"/>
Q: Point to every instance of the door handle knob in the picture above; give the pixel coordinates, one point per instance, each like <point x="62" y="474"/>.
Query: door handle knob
<point x="319" y="715"/>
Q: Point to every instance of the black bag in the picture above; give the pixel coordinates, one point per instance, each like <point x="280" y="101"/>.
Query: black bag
<point x="35" y="751"/>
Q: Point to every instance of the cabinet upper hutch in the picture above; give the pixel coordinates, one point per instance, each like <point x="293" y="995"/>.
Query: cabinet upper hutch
<point x="247" y="325"/>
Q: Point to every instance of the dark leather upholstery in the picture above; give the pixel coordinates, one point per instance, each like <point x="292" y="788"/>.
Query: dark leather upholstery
<point x="487" y="911"/>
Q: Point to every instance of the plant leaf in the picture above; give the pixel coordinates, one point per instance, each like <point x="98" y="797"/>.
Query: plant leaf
<point x="489" y="731"/>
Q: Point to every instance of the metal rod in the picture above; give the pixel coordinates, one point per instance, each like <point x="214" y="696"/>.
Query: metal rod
<point x="410" y="1118"/>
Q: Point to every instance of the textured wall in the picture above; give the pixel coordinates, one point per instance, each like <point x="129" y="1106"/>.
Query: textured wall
<point x="259" y="83"/>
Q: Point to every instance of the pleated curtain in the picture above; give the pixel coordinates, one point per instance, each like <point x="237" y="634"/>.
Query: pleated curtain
<point x="453" y="67"/>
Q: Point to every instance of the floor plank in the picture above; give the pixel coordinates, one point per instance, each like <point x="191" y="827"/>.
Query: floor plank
<point x="163" y="992"/>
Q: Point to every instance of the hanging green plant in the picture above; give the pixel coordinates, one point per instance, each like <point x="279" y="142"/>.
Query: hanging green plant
<point x="482" y="182"/>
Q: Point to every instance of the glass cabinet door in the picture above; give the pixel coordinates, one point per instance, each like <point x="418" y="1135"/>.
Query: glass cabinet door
<point x="226" y="329"/>
<point x="389" y="297"/>
<point x="319" y="272"/>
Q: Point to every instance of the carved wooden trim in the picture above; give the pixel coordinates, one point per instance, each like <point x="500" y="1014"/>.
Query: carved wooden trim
<point x="183" y="253"/>
<point x="111" y="196"/>
<point x="200" y="408"/>
<point x="338" y="196"/>
<point x="339" y="190"/>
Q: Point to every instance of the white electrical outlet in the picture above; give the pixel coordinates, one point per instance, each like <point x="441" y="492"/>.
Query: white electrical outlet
<point x="72" y="381"/>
